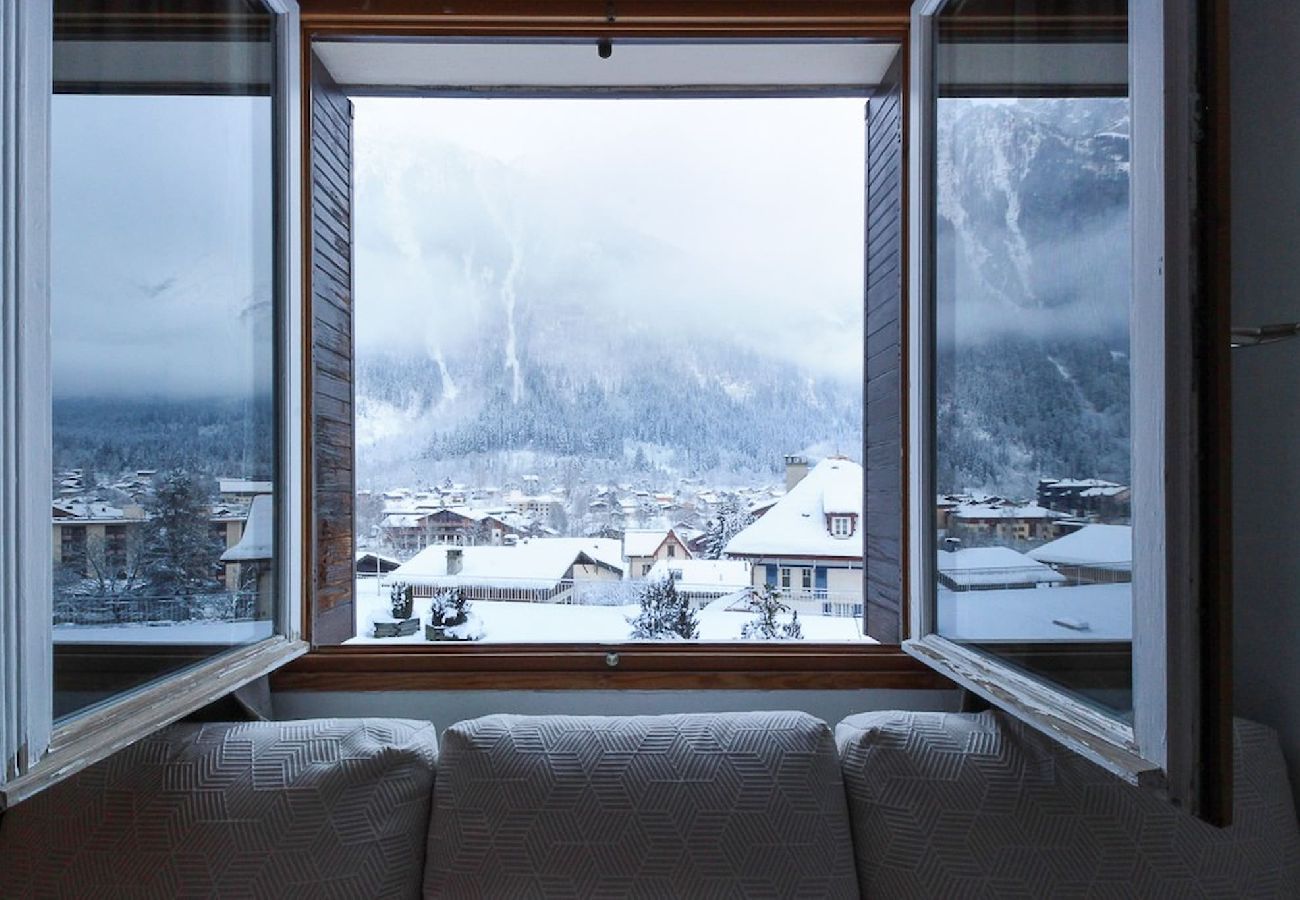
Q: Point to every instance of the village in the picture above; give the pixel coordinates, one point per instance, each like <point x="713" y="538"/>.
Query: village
<point x="534" y="568"/>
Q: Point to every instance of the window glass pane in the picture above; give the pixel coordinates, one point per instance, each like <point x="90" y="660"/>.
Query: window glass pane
<point x="162" y="340"/>
<point x="1031" y="298"/>
<point x="609" y="368"/>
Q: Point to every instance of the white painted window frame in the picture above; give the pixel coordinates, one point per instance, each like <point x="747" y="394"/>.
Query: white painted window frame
<point x="37" y="751"/>
<point x="1160" y="749"/>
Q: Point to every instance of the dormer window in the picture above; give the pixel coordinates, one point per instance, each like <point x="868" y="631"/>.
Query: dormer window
<point x="841" y="526"/>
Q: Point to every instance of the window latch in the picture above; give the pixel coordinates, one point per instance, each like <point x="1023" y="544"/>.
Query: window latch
<point x="1258" y="335"/>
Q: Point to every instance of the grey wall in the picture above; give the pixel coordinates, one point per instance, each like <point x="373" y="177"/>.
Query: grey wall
<point x="1265" y="73"/>
<point x="445" y="707"/>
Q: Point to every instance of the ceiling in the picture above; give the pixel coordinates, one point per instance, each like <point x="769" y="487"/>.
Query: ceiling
<point x="438" y="66"/>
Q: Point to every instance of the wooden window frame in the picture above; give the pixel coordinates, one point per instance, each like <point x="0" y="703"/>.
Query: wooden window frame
<point x="630" y="665"/>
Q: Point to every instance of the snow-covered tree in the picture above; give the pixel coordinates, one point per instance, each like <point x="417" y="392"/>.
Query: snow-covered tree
<point x="401" y="598"/>
<point x="732" y="518"/>
<point x="665" y="614"/>
<point x="181" y="553"/>
<point x="450" y="617"/>
<point x="768" y="607"/>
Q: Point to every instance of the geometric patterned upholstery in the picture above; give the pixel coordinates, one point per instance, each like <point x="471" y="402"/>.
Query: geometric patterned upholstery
<point x="727" y="805"/>
<point x="949" y="805"/>
<point x="320" y="808"/>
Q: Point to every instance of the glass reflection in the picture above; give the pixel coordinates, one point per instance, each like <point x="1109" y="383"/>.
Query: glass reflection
<point x="1031" y="302"/>
<point x="162" y="340"/>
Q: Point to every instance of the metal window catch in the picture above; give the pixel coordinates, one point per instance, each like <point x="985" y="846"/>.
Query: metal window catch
<point x="1258" y="335"/>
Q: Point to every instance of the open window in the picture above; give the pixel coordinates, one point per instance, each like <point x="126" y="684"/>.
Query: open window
<point x="150" y="349"/>
<point x="544" y="394"/>
<point x="1065" y="418"/>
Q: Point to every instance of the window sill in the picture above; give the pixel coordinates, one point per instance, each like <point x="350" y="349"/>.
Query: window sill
<point x="711" y="666"/>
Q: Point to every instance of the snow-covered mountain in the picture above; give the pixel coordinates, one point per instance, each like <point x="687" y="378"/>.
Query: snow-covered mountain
<point x="1033" y="303"/>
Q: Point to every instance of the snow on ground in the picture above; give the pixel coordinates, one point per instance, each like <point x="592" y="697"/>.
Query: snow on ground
<point x="205" y="633"/>
<point x="1090" y="612"/>
<point x="505" y="622"/>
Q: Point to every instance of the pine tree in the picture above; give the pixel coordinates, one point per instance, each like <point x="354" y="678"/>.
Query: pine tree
<point x="664" y="615"/>
<point x="732" y="518"/>
<point x="767" y="605"/>
<point x="180" y="550"/>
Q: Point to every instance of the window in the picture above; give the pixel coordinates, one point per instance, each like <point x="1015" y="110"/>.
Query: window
<point x="160" y="161"/>
<point x="512" y="357"/>
<point x="1038" y="178"/>
<point x="841" y="526"/>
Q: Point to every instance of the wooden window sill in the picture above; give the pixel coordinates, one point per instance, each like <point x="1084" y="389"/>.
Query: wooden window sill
<point x="708" y="666"/>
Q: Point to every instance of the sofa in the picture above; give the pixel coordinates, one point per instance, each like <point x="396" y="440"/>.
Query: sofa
<point x="764" y="804"/>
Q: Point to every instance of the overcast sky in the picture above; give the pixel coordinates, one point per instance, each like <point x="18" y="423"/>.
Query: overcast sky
<point x="161" y="245"/>
<point x="735" y="218"/>
<point x="740" y="218"/>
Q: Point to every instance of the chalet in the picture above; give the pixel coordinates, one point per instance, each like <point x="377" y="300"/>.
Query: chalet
<point x="1095" y="554"/>
<point x="1090" y="498"/>
<point x="1003" y="521"/>
<point x="808" y="544"/>
<point x="535" y="570"/>
<point x="643" y="547"/>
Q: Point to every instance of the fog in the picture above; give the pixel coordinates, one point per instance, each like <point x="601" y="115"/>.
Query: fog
<point x="161" y="254"/>
<point x="735" y="220"/>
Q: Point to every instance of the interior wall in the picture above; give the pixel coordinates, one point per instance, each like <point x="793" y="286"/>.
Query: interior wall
<point x="1265" y="75"/>
<point x="444" y="708"/>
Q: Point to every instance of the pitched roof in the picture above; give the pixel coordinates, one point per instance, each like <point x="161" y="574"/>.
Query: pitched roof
<point x="532" y="563"/>
<point x="258" y="540"/>
<point x="645" y="541"/>
<point x="982" y="566"/>
<point x="796" y="525"/>
<point x="1099" y="546"/>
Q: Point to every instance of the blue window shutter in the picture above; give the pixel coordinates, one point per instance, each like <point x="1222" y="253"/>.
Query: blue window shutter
<point x="771" y="575"/>
<point x="819" y="578"/>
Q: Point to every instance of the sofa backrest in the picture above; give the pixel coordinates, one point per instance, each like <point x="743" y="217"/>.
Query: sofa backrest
<point x="726" y="805"/>
<point x="979" y="805"/>
<point x="320" y="808"/>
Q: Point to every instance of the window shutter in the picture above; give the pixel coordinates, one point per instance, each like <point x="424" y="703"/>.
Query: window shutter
<point x="771" y="575"/>
<point x="819" y="578"/>
<point x="883" y="474"/>
<point x="333" y="484"/>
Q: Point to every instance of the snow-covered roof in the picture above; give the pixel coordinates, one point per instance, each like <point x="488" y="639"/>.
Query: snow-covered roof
<point x="532" y="563"/>
<point x="1099" y="546"/>
<point x="90" y="511"/>
<point x="642" y="541"/>
<point x="978" y="566"/>
<point x="403" y="520"/>
<point x="243" y="486"/>
<point x="986" y="511"/>
<point x="796" y="525"/>
<point x="258" y="540"/>
<point x="1090" y="612"/>
<point x="702" y="575"/>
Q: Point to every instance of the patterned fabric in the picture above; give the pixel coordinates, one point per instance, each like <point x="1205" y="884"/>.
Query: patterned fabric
<point x="728" y="805"/>
<point x="321" y="808"/>
<point x="947" y="805"/>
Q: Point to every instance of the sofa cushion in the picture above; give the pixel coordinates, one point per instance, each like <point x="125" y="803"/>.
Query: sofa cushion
<point x="948" y="805"/>
<point x="319" y="808"/>
<point x="727" y="805"/>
